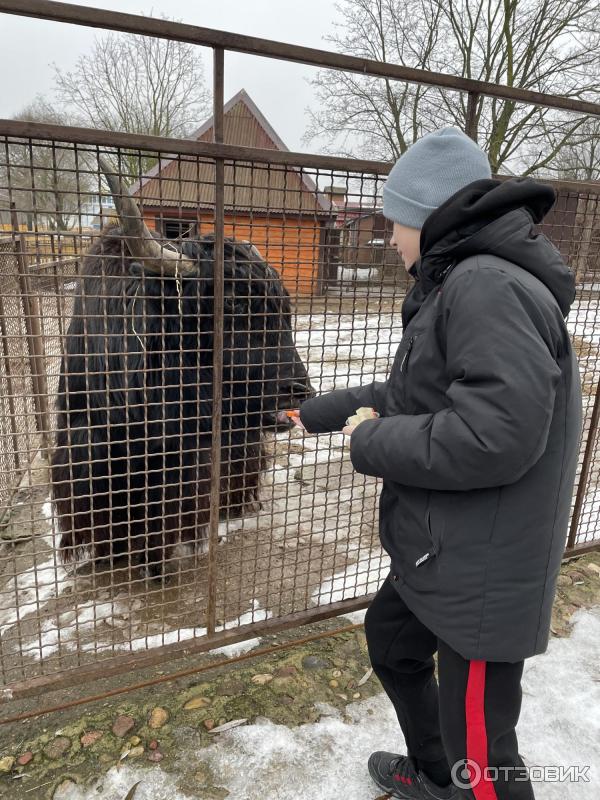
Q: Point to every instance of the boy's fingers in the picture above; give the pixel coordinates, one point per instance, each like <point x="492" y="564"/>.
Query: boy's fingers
<point x="294" y="415"/>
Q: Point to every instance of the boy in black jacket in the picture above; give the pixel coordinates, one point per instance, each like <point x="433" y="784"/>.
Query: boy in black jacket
<point x="477" y="443"/>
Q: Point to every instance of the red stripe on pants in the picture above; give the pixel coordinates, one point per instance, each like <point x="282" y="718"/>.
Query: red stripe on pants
<point x="476" y="732"/>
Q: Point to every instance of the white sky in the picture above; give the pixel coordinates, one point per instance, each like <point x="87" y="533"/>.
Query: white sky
<point x="281" y="90"/>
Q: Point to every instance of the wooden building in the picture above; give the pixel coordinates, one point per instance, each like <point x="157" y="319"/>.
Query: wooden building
<point x="360" y="241"/>
<point x="278" y="208"/>
<point x="307" y="234"/>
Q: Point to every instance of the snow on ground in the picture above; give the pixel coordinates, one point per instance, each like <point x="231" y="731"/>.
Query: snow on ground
<point x="356" y="580"/>
<point x="559" y="726"/>
<point x="583" y="320"/>
<point x="590" y="511"/>
<point x="88" y="616"/>
<point x="348" y="349"/>
<point x="27" y="592"/>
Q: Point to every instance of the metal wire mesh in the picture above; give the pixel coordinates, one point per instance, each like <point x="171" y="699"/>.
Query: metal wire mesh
<point x="107" y="370"/>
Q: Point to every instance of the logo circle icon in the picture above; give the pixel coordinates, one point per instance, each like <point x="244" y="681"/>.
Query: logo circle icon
<point x="465" y="773"/>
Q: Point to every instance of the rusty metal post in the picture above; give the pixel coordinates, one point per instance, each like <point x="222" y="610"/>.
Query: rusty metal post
<point x="218" y="314"/>
<point x="333" y="254"/>
<point x="35" y="339"/>
<point x="471" y="121"/>
<point x="585" y="470"/>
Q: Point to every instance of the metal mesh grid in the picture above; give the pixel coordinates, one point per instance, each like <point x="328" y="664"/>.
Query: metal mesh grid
<point x="137" y="380"/>
<point x="107" y="372"/>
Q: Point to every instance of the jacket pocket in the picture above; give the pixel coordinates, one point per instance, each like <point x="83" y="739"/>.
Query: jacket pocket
<point x="434" y="531"/>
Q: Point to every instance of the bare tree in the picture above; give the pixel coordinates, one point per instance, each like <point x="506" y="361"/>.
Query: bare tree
<point x="45" y="177"/>
<point x="542" y="45"/>
<point x="136" y="84"/>
<point x="580" y="160"/>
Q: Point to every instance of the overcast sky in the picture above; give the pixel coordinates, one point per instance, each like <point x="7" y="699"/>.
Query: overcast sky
<point x="28" y="47"/>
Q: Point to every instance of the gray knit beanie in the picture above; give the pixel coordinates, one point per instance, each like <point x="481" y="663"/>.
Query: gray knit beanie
<point x="434" y="168"/>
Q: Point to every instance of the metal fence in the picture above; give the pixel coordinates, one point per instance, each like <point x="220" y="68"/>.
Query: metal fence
<point x="153" y="497"/>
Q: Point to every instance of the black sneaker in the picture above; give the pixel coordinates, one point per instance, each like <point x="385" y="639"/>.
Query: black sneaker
<point x="400" y="776"/>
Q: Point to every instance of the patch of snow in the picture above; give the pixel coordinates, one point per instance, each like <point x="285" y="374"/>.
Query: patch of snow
<point x="582" y="320"/>
<point x="66" y="631"/>
<point x="560" y="717"/>
<point x="362" y="578"/>
<point x="355" y="617"/>
<point x="587" y="529"/>
<point x="237" y="648"/>
<point x="27" y="592"/>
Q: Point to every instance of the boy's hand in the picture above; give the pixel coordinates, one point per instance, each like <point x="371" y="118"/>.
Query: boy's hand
<point x="348" y="430"/>
<point x="294" y="416"/>
<point x="354" y="421"/>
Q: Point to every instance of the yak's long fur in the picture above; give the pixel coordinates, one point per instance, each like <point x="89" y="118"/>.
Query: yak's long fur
<point x="131" y="468"/>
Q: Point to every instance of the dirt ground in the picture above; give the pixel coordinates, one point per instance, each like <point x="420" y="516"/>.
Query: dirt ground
<point x="42" y="757"/>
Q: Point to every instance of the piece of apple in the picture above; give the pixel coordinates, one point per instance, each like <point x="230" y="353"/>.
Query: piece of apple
<point x="362" y="413"/>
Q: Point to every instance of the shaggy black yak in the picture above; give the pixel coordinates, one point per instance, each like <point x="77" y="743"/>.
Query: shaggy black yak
<point x="131" y="469"/>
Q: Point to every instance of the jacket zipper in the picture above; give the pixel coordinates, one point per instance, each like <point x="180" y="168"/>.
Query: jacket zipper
<point x="446" y="273"/>
<point x="407" y="353"/>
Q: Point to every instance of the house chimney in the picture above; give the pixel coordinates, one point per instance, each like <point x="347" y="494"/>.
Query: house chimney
<point x="335" y="194"/>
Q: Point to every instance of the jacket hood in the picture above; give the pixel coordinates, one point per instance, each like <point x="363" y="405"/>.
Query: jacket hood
<point x="496" y="217"/>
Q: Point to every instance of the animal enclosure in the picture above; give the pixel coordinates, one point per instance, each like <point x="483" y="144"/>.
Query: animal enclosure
<point x="110" y="543"/>
<point x="154" y="496"/>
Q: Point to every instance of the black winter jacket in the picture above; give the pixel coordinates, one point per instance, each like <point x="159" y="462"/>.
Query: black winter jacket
<point x="478" y="439"/>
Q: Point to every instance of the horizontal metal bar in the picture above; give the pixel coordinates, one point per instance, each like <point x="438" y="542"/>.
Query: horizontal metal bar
<point x="158" y="655"/>
<point x="174" y="147"/>
<point x="210" y="37"/>
<point x="581" y="549"/>
<point x="184" y="673"/>
<point x="167" y="146"/>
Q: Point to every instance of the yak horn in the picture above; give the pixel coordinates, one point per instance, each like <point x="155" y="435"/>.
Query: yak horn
<point x="140" y="242"/>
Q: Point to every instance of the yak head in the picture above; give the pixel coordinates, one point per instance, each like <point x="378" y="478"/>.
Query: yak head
<point x="263" y="375"/>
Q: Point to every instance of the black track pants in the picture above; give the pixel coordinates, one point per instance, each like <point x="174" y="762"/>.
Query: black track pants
<point x="472" y="715"/>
